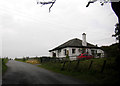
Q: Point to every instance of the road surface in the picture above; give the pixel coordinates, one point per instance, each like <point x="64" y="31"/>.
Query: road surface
<point x="24" y="73"/>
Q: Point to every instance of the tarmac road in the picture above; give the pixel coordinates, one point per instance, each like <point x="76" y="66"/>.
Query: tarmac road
<point x="24" y="73"/>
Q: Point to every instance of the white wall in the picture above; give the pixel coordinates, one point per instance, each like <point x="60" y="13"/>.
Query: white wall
<point x="71" y="55"/>
<point x="100" y="51"/>
<point x="77" y="52"/>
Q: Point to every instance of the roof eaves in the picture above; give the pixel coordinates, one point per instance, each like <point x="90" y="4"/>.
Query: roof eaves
<point x="74" y="47"/>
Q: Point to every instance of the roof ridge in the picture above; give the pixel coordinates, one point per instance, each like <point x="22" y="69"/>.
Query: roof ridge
<point x="75" y="42"/>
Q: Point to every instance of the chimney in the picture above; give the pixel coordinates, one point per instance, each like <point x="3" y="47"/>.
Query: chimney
<point x="84" y="43"/>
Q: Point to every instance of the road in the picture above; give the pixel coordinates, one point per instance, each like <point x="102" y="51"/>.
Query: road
<point x="24" y="73"/>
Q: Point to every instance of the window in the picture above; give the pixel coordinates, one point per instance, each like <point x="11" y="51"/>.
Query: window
<point x="73" y="51"/>
<point x="59" y="51"/>
<point x="65" y="52"/>
<point x="53" y="54"/>
<point x="79" y="50"/>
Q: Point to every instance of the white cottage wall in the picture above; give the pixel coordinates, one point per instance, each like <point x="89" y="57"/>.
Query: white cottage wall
<point x="89" y="51"/>
<point x="100" y="51"/>
<point x="72" y="56"/>
<point x="62" y="53"/>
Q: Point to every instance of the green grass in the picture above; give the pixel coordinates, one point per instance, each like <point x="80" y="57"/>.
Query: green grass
<point x="21" y="60"/>
<point x="4" y="67"/>
<point x="94" y="75"/>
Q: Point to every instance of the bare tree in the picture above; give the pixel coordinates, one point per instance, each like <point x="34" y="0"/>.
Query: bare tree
<point x="115" y="6"/>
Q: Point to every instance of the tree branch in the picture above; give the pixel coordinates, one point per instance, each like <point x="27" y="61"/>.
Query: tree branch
<point x="90" y="2"/>
<point x="50" y="2"/>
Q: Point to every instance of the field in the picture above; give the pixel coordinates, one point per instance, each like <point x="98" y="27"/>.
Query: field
<point x="94" y="71"/>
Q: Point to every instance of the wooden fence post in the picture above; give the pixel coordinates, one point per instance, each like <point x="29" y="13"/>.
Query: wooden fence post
<point x="103" y="67"/>
<point x="41" y="59"/>
<point x="77" y="65"/>
<point x="48" y="59"/>
<point x="69" y="65"/>
<point x="63" y="67"/>
<point x="54" y="60"/>
<point x="59" y="60"/>
<point x="90" y="65"/>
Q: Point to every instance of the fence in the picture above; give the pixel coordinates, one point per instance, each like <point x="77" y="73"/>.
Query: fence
<point x="77" y="65"/>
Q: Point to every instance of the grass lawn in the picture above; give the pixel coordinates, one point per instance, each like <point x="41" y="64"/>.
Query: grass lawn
<point x="92" y="75"/>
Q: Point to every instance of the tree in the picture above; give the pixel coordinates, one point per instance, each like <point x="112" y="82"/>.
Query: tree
<point x="115" y="6"/>
<point x="111" y="51"/>
<point x="117" y="33"/>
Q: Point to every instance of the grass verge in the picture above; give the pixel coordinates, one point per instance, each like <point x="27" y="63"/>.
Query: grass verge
<point x="4" y="67"/>
<point x="93" y="75"/>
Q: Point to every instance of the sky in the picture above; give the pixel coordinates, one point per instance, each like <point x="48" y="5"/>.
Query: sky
<point x="28" y="29"/>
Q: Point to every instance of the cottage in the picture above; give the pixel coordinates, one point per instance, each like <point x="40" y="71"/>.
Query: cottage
<point x="75" y="47"/>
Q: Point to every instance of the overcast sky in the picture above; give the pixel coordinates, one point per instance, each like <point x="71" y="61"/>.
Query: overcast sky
<point x="30" y="30"/>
